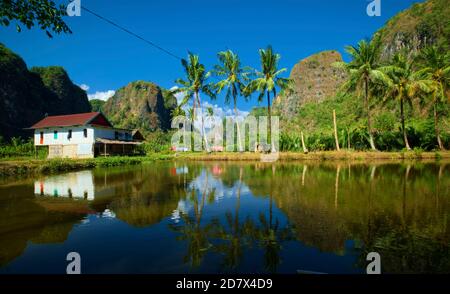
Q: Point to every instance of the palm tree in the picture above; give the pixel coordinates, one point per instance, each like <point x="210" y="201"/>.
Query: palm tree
<point x="406" y="84"/>
<point x="437" y="69"/>
<point x="364" y="74"/>
<point x="177" y="111"/>
<point x="196" y="82"/>
<point x="234" y="79"/>
<point x="268" y="80"/>
<point x="210" y="111"/>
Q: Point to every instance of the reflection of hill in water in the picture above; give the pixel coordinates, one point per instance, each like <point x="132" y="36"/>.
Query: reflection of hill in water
<point x="400" y="211"/>
<point x="22" y="219"/>
<point x="385" y="208"/>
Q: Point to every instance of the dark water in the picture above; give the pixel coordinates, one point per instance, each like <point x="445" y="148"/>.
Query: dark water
<point x="219" y="218"/>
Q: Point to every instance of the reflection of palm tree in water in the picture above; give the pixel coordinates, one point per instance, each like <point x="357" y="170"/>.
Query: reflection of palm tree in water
<point x="192" y="231"/>
<point x="270" y="235"/>
<point x="239" y="234"/>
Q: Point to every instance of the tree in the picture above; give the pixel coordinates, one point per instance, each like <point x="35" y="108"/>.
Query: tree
<point x="29" y="13"/>
<point x="196" y="82"/>
<point x="406" y="84"/>
<point x="436" y="67"/>
<point x="177" y="111"/>
<point x="267" y="80"/>
<point x="234" y="79"/>
<point x="364" y="74"/>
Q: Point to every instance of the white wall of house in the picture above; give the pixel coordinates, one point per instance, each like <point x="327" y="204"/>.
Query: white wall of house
<point x="62" y="136"/>
<point x="78" y="137"/>
<point x="78" y="145"/>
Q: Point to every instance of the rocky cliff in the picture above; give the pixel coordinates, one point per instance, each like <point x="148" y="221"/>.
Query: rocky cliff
<point x="142" y="105"/>
<point x="315" y="79"/>
<point x="422" y="24"/>
<point x="27" y="95"/>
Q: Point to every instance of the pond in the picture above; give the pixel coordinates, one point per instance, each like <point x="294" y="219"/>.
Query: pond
<point x="218" y="217"/>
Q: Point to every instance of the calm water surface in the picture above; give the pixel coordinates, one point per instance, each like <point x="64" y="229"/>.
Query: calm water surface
<point x="224" y="218"/>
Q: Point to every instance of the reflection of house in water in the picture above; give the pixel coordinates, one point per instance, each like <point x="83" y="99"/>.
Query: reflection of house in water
<point x="76" y="185"/>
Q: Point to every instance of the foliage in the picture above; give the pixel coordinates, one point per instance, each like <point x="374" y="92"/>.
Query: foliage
<point x="97" y="105"/>
<point x="18" y="147"/>
<point x="157" y="142"/>
<point x="29" y="13"/>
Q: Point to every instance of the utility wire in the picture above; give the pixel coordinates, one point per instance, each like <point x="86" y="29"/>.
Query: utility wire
<point x="131" y="33"/>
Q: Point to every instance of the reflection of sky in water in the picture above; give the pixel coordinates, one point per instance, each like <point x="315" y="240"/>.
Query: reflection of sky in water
<point x="206" y="183"/>
<point x="142" y="220"/>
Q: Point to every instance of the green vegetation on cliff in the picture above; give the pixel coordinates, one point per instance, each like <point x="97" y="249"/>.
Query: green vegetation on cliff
<point x="27" y="95"/>
<point x="140" y="105"/>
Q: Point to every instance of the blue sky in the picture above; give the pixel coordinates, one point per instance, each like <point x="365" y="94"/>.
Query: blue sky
<point x="105" y="58"/>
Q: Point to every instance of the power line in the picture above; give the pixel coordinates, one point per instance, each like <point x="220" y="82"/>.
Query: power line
<point x="131" y="33"/>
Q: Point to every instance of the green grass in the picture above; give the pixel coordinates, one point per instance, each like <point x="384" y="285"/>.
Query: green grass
<point x="25" y="166"/>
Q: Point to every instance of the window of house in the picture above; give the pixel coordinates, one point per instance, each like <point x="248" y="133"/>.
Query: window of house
<point x="55" y="135"/>
<point x="85" y="133"/>
<point x="69" y="135"/>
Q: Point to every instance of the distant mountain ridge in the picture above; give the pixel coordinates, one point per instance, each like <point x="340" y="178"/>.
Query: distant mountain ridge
<point x="422" y="24"/>
<point x="26" y="96"/>
<point x="315" y="79"/>
<point x="141" y="105"/>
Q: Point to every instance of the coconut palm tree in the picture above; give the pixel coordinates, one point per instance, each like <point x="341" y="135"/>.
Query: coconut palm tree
<point x="436" y="67"/>
<point x="406" y="84"/>
<point x="364" y="74"/>
<point x="177" y="111"/>
<point x="234" y="79"/>
<point x="267" y="80"/>
<point x="195" y="83"/>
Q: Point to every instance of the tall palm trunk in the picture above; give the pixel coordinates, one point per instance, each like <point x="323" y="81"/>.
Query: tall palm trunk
<point x="269" y="114"/>
<point x="336" y="139"/>
<point x="436" y="126"/>
<point x="369" y="119"/>
<point x="203" y="122"/>
<point x="402" y="117"/>
<point x="269" y="134"/>
<point x="237" y="126"/>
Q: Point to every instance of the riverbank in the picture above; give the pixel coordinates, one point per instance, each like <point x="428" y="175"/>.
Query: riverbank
<point x="317" y="156"/>
<point x="27" y="166"/>
<point x="23" y="166"/>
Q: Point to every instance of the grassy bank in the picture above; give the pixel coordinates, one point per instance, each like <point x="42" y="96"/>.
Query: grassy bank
<point x="33" y="166"/>
<point x="317" y="156"/>
<point x="28" y="166"/>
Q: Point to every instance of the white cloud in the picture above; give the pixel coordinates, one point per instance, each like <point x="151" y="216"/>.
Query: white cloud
<point x="84" y="87"/>
<point x="102" y="95"/>
<point x="218" y="110"/>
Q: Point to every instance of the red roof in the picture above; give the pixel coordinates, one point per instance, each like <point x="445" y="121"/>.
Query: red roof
<point x="79" y="119"/>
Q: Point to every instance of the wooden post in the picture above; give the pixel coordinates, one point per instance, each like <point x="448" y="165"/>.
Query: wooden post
<point x="104" y="153"/>
<point x="348" y="139"/>
<point x="335" y="131"/>
<point x="305" y="150"/>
